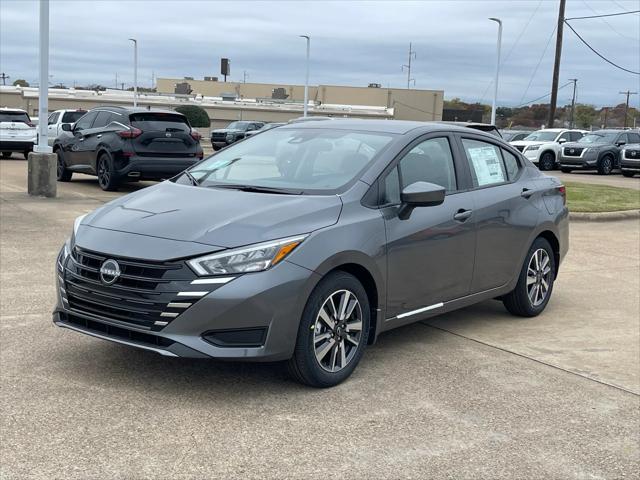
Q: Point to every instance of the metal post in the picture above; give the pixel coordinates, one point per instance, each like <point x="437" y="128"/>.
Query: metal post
<point x="306" y="81"/>
<point x="135" y="71"/>
<point x="556" y="65"/>
<point x="43" y="90"/>
<point x="495" y="86"/>
<point x="412" y="55"/>
<point x="626" y="105"/>
<point x="573" y="102"/>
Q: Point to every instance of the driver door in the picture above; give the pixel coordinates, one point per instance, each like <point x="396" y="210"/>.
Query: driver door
<point x="74" y="150"/>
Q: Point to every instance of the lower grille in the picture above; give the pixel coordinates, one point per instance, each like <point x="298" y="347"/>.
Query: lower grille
<point x="573" y="152"/>
<point x="218" y="137"/>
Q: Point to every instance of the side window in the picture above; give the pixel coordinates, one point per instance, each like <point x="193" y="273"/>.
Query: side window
<point x="622" y="138"/>
<point x="575" y="136"/>
<point x="429" y="161"/>
<point x="565" y="136"/>
<point x="485" y="162"/>
<point x="633" y="137"/>
<point x="103" y="119"/>
<point x="511" y="164"/>
<point x="85" y="122"/>
<point x="53" y="118"/>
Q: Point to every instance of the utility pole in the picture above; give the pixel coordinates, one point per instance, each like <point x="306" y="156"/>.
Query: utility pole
<point x="4" y="78"/>
<point x="135" y="71"/>
<point x="244" y="76"/>
<point x="626" y="107"/>
<point x="556" y="65"/>
<point x="412" y="54"/>
<point x="573" y="101"/>
<point x="116" y="80"/>
<point x="305" y="110"/>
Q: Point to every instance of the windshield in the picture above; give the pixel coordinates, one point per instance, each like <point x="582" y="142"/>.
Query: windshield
<point x="238" y="126"/>
<point x="72" y="117"/>
<point x="304" y="160"/>
<point x="598" y="138"/>
<point x="542" y="136"/>
<point x="14" y="117"/>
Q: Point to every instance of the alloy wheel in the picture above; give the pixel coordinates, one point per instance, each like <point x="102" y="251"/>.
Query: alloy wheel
<point x="606" y="165"/>
<point x="538" y="277"/>
<point x="103" y="172"/>
<point x="337" y="331"/>
<point x="60" y="167"/>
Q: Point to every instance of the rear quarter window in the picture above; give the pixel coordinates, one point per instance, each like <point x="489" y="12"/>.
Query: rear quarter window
<point x="153" y="121"/>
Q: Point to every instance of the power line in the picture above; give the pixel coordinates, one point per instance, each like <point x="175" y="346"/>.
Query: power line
<point x="546" y="47"/>
<point x="605" y="15"/>
<point x="543" y="96"/>
<point x="607" y="23"/>
<point x="598" y="53"/>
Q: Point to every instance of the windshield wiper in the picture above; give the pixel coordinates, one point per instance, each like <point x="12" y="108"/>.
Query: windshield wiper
<point x="192" y="178"/>
<point x="256" y="188"/>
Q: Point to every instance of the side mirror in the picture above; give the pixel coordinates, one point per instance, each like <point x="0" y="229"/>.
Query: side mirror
<point x="66" y="127"/>
<point x="420" y="194"/>
<point x="621" y="143"/>
<point x="562" y="140"/>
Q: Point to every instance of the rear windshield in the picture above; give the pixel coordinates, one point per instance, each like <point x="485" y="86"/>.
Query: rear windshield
<point x="154" y="121"/>
<point x="72" y="117"/>
<point x="14" y="117"/>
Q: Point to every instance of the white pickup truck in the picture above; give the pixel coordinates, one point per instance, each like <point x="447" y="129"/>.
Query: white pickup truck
<point x="17" y="132"/>
<point x="59" y="118"/>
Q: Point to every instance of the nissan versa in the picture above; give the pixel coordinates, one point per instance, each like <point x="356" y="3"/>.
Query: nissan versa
<point x="305" y="242"/>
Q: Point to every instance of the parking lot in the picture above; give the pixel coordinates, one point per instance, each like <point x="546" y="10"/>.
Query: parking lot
<point x="473" y="393"/>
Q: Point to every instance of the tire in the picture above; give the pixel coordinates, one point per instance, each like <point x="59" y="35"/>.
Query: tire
<point x="26" y="154"/>
<point x="539" y="267"/>
<point x="547" y="161"/>
<point x="106" y="175"/>
<point x="6" y="154"/>
<point x="63" y="174"/>
<point x="318" y="360"/>
<point x="628" y="173"/>
<point x="605" y="165"/>
<point x="565" y="170"/>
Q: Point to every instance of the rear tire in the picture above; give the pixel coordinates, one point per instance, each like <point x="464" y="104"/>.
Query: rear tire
<point x="627" y="173"/>
<point x="6" y="154"/>
<point x="605" y="165"/>
<point x="106" y="174"/>
<point x="63" y="173"/>
<point x="565" y="170"/>
<point x="330" y="344"/>
<point x="26" y="154"/>
<point x="535" y="283"/>
<point x="547" y="161"/>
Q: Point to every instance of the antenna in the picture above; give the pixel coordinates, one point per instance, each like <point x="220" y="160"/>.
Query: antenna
<point x="412" y="55"/>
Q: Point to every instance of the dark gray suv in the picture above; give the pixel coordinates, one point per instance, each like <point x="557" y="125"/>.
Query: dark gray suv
<point x="305" y="242"/>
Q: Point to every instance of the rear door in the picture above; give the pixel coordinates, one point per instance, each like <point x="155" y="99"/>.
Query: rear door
<point x="164" y="135"/>
<point x="95" y="136"/>
<point x="505" y="213"/>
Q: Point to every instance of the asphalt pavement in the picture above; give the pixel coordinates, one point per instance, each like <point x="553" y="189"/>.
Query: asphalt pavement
<point x="472" y="394"/>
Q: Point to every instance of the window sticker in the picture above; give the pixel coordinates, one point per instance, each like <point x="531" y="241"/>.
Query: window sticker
<point x="487" y="165"/>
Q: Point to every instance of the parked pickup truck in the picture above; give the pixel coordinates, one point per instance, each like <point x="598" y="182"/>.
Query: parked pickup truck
<point x="59" y="118"/>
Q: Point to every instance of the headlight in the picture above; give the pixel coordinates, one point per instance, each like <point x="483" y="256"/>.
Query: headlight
<point x="76" y="223"/>
<point x="533" y="147"/>
<point x="255" y="258"/>
<point x="230" y="137"/>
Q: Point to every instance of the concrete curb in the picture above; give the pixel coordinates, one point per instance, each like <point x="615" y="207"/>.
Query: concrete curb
<point x="604" y="216"/>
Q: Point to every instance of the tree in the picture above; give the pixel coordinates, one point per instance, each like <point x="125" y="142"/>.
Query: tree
<point x="585" y="115"/>
<point x="196" y="115"/>
<point x="20" y="83"/>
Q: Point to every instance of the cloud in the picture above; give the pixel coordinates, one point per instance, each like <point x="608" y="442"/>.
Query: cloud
<point x="353" y="43"/>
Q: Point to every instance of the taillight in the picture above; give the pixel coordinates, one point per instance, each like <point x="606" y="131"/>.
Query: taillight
<point x="563" y="191"/>
<point x="133" y="132"/>
<point x="200" y="155"/>
<point x="195" y="135"/>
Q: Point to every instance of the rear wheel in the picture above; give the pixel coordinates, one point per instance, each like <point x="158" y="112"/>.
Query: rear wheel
<point x="605" y="165"/>
<point x="6" y="154"/>
<point x="565" y="170"/>
<point x="333" y="332"/>
<point x="547" y="161"/>
<point x="627" y="173"/>
<point x="535" y="283"/>
<point x="106" y="175"/>
<point x="26" y="154"/>
<point x="63" y="173"/>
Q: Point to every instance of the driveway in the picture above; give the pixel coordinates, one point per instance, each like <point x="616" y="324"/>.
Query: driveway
<point x="473" y="394"/>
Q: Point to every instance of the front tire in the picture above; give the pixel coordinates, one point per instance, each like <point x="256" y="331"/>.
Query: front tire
<point x="535" y="283"/>
<point x="63" y="174"/>
<point x="6" y="154"/>
<point x="628" y="173"/>
<point x="333" y="332"/>
<point x="605" y="165"/>
<point x="106" y="175"/>
<point x="565" y="170"/>
<point x="547" y="161"/>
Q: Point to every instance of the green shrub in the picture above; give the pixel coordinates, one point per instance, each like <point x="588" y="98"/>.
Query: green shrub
<point x="196" y="115"/>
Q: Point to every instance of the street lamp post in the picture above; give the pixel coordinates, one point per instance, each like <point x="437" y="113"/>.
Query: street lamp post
<point x="306" y="81"/>
<point x="43" y="89"/>
<point x="135" y="71"/>
<point x="495" y="87"/>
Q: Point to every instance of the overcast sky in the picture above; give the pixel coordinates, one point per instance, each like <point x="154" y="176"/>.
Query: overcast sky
<point x="353" y="43"/>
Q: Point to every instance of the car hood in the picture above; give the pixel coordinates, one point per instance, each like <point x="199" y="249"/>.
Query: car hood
<point x="226" y="130"/>
<point x="585" y="145"/>
<point x="527" y="143"/>
<point x="213" y="216"/>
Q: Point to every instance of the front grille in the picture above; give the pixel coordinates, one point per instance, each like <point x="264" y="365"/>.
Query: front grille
<point x="520" y="147"/>
<point x="573" y="151"/>
<point x="215" y="136"/>
<point x="143" y="295"/>
<point x="632" y="154"/>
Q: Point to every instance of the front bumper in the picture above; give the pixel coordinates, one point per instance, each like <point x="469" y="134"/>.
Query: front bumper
<point x="154" y="168"/>
<point x="271" y="302"/>
<point x="588" y="160"/>
<point x="532" y="155"/>
<point x="630" y="165"/>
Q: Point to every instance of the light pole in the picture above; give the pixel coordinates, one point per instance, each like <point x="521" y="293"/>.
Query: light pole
<point x="135" y="71"/>
<point x="306" y="80"/>
<point x="495" y="89"/>
<point x="43" y="89"/>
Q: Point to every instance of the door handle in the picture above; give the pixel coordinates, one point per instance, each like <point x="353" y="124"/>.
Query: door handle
<point x="462" y="215"/>
<point x="99" y="135"/>
<point x="527" y="193"/>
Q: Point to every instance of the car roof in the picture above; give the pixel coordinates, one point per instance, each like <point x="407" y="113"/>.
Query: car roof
<point x="608" y="130"/>
<point x="400" y="127"/>
<point x="130" y="110"/>
<point x="7" y="109"/>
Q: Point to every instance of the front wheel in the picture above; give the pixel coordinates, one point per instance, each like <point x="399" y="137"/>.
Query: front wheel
<point x="106" y="176"/>
<point x="333" y="332"/>
<point x="6" y="154"/>
<point x="535" y="283"/>
<point x="628" y="173"/>
<point x="547" y="161"/>
<point x="605" y="165"/>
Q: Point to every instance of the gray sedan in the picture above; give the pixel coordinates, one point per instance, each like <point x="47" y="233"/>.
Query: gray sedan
<point x="306" y="242"/>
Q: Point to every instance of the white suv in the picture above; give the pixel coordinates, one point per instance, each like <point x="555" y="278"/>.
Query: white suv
<point x="543" y="146"/>
<point x="17" y="132"/>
